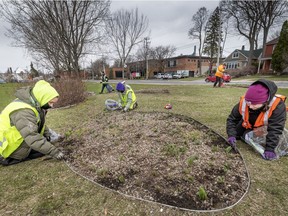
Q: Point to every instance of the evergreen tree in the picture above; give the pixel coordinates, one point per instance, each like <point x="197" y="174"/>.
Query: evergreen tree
<point x="213" y="32"/>
<point x="280" y="54"/>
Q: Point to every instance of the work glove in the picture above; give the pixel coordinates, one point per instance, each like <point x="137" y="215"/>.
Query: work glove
<point x="232" y="142"/>
<point x="269" y="155"/>
<point x="60" y="156"/>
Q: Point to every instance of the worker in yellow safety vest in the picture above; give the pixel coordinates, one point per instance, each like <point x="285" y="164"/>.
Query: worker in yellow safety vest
<point x="23" y="133"/>
<point x="127" y="97"/>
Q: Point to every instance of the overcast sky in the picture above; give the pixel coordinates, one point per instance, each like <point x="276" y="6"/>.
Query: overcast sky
<point x="169" y="23"/>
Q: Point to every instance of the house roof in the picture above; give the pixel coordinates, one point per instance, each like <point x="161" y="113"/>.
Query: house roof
<point x="256" y="53"/>
<point x="274" y="41"/>
<point x="245" y="53"/>
<point x="188" y="56"/>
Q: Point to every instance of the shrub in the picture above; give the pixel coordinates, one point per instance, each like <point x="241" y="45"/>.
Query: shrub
<point x="71" y="91"/>
<point x="242" y="72"/>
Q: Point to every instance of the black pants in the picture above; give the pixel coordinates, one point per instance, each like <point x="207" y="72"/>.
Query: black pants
<point x="219" y="81"/>
<point x="10" y="161"/>
<point x="103" y="86"/>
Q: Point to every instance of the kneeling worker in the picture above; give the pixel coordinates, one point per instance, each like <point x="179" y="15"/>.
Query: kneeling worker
<point x="23" y="133"/>
<point x="127" y="97"/>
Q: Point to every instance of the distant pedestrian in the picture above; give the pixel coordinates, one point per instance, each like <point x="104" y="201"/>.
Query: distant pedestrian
<point x="105" y="84"/>
<point x="219" y="75"/>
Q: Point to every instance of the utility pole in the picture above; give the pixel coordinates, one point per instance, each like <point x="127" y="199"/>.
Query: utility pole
<point x="146" y="46"/>
<point x="104" y="68"/>
<point x="92" y="70"/>
<point x="219" y="38"/>
<point x="103" y="64"/>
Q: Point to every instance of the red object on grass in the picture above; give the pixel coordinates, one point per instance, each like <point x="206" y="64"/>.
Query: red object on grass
<point x="168" y="106"/>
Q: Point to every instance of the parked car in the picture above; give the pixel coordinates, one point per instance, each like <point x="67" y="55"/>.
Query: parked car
<point x="159" y="76"/>
<point x="211" y="78"/>
<point x="177" y="76"/>
<point x="2" y="81"/>
<point x="167" y="76"/>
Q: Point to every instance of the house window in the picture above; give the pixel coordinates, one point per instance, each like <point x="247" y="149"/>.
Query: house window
<point x="172" y="63"/>
<point x="232" y="65"/>
<point x="235" y="55"/>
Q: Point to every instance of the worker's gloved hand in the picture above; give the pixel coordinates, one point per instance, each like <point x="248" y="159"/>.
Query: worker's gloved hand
<point x="269" y="155"/>
<point x="232" y="142"/>
<point x="61" y="137"/>
<point x="60" y="156"/>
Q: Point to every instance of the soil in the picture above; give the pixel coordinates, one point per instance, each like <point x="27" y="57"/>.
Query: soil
<point x="161" y="157"/>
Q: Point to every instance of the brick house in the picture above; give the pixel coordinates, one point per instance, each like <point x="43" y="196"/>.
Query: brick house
<point x="266" y="58"/>
<point x="187" y="63"/>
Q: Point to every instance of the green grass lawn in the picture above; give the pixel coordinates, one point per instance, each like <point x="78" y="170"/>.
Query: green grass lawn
<point x="259" y="76"/>
<point x="49" y="187"/>
<point x="7" y="91"/>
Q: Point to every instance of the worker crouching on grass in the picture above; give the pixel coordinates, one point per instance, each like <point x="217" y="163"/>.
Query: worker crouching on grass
<point x="259" y="120"/>
<point x="23" y="133"/>
<point x="127" y="98"/>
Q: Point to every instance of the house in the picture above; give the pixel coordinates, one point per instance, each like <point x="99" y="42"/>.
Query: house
<point x="183" y="63"/>
<point x="266" y="58"/>
<point x="239" y="58"/>
<point x="188" y="63"/>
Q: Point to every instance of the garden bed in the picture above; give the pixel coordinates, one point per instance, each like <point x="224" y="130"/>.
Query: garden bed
<point x="159" y="157"/>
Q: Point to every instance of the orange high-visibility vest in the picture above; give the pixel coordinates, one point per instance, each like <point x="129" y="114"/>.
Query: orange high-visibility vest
<point x="263" y="117"/>
<point x="220" y="70"/>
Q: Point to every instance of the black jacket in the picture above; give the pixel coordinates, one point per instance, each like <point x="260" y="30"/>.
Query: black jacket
<point x="276" y="122"/>
<point x="104" y="79"/>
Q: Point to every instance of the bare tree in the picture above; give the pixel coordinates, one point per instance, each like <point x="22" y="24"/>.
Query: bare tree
<point x="226" y="23"/>
<point x="273" y="12"/>
<point x="99" y="65"/>
<point x="274" y="34"/>
<point x="58" y="32"/>
<point x="140" y="58"/>
<point x="125" y="29"/>
<point x="197" y="31"/>
<point x="160" y="54"/>
<point x="246" y="16"/>
<point x="140" y="54"/>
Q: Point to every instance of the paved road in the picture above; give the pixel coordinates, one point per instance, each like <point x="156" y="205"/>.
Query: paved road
<point x="280" y="84"/>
